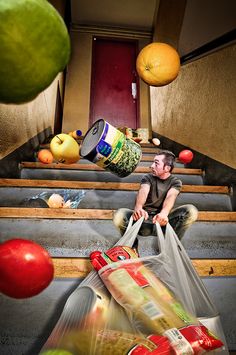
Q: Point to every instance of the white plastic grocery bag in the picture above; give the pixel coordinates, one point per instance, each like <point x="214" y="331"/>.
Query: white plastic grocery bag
<point x="94" y="323"/>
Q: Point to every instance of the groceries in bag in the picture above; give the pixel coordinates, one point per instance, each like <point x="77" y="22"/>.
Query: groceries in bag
<point x="94" y="323"/>
<point x="151" y="305"/>
<point x="111" y="342"/>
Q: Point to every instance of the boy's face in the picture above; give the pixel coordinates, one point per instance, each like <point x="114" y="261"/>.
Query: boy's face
<point x="158" y="168"/>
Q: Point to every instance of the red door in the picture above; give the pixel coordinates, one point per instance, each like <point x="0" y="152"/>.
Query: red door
<point x="114" y="91"/>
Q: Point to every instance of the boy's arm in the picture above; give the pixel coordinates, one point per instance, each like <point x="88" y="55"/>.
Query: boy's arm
<point x="140" y="201"/>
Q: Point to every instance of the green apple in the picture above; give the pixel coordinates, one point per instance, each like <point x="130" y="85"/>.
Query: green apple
<point x="56" y="352"/>
<point x="64" y="148"/>
<point x="34" y="47"/>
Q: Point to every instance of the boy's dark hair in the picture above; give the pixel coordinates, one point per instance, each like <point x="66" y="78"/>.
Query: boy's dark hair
<point x="169" y="158"/>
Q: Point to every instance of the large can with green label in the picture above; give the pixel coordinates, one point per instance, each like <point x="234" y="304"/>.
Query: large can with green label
<point x="110" y="149"/>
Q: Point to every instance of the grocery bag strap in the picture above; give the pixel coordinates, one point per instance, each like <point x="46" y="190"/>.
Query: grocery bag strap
<point x="131" y="233"/>
<point x="193" y="292"/>
<point x="131" y="220"/>
<point x="161" y="238"/>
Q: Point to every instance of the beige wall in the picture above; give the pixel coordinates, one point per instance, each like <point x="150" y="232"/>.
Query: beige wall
<point x="168" y="22"/>
<point x="77" y="90"/>
<point x="198" y="109"/>
<point x="19" y="123"/>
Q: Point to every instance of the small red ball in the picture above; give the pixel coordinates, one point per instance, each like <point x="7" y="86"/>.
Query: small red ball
<point x="186" y="156"/>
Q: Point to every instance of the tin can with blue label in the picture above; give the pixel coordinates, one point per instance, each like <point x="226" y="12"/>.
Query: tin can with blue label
<point x="110" y="149"/>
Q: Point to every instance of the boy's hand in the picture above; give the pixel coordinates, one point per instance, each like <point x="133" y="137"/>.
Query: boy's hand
<point x="161" y="218"/>
<point x="138" y="213"/>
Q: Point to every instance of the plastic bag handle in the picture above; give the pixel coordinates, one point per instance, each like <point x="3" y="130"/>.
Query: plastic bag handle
<point x="192" y="292"/>
<point x="131" y="233"/>
<point x="161" y="238"/>
<point x="130" y="224"/>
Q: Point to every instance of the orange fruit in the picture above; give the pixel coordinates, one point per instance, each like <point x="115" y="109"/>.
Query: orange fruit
<point x="45" y="156"/>
<point x="158" y="64"/>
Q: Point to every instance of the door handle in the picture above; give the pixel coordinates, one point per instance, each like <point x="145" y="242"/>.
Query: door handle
<point x="134" y="90"/>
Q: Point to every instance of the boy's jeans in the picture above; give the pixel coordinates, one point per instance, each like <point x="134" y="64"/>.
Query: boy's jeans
<point x="180" y="218"/>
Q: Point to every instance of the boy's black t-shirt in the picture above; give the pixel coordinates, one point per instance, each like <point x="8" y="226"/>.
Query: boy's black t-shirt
<point x="158" y="191"/>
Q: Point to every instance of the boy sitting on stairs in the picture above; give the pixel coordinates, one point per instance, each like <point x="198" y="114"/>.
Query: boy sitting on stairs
<point x="156" y="198"/>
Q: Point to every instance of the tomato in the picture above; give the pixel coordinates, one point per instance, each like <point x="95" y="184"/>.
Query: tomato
<point x="186" y="156"/>
<point x="26" y="268"/>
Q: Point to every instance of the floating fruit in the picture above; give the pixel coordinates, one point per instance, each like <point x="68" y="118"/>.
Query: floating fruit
<point x="45" y="156"/>
<point x="34" y="47"/>
<point x="158" y="64"/>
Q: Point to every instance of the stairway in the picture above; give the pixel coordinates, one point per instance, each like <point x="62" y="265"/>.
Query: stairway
<point x="71" y="234"/>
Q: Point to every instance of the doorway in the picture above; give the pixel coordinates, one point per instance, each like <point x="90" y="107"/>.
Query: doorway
<point x="114" y="82"/>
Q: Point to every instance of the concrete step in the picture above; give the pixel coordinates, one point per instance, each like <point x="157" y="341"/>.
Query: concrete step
<point x="79" y="166"/>
<point x="73" y="238"/>
<point x="150" y="157"/>
<point x="80" y="141"/>
<point x="71" y="267"/>
<point x="67" y="238"/>
<point x="211" y="240"/>
<point x="91" y="172"/>
<point x="99" y="214"/>
<point x="146" y="148"/>
<point x="202" y="240"/>
<point x="150" y="149"/>
<point x="110" y="195"/>
<point x="120" y="186"/>
<point x="146" y="160"/>
<point x="149" y="162"/>
<point x="78" y="238"/>
<point x="148" y="153"/>
<point x="76" y="232"/>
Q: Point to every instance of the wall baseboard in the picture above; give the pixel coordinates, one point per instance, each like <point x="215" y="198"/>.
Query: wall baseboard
<point x="9" y="165"/>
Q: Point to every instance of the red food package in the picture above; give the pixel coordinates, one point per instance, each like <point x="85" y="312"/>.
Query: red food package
<point x="201" y="339"/>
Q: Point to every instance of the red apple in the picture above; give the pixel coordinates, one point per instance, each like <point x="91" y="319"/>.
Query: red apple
<point x="26" y="268"/>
